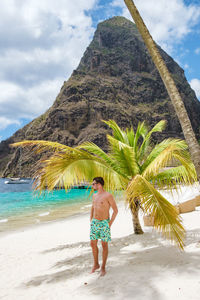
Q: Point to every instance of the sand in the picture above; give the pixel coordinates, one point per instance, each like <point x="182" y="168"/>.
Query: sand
<point x="53" y="261"/>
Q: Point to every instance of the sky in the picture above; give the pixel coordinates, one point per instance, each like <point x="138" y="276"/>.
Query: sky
<point x="42" y="42"/>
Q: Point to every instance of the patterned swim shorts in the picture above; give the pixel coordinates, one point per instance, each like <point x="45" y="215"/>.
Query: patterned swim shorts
<point x="100" y="229"/>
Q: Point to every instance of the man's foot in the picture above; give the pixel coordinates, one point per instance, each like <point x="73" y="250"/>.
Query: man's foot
<point x="95" y="267"/>
<point x="103" y="272"/>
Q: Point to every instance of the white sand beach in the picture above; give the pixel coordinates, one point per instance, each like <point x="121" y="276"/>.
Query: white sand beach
<point x="53" y="261"/>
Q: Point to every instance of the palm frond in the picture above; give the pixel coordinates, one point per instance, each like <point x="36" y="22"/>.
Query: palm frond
<point x="141" y="131"/>
<point x="166" y="218"/>
<point x="160" y="126"/>
<point x="68" y="169"/>
<point x="107" y="158"/>
<point x="162" y="155"/>
<point x="171" y="178"/>
<point x="146" y="142"/>
<point x="40" y="145"/>
<point x="124" y="156"/>
<point x="130" y="136"/>
<point x="118" y="133"/>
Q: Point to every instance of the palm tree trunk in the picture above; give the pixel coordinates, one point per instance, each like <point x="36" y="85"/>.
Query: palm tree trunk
<point x="174" y="95"/>
<point x="136" y="222"/>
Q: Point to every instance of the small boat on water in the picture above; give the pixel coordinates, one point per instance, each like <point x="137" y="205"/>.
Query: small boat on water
<point x="19" y="180"/>
<point x="81" y="186"/>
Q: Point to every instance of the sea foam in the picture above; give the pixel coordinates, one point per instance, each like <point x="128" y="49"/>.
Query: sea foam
<point x="86" y="206"/>
<point x="3" y="220"/>
<point x="44" y="214"/>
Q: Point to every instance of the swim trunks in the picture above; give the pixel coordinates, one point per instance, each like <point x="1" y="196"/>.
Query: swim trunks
<point x="100" y="229"/>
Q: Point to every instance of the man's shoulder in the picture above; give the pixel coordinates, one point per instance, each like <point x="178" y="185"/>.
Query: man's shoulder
<point x="108" y="195"/>
<point x="105" y="195"/>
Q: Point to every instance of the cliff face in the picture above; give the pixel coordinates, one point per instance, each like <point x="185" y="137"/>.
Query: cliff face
<point x="116" y="79"/>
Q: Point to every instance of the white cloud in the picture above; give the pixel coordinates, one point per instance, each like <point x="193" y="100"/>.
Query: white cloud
<point x="26" y="103"/>
<point x="41" y="43"/>
<point x="195" y="85"/>
<point x="197" y="51"/>
<point x="168" y="21"/>
<point x="186" y="66"/>
<point x="4" y="122"/>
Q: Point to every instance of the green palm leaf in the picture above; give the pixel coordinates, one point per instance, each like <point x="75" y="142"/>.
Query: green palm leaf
<point x="106" y="158"/>
<point x="68" y="169"/>
<point x="166" y="218"/>
<point x="130" y="136"/>
<point x="162" y="155"/>
<point x="124" y="155"/>
<point x="146" y="142"/>
<point x="118" y="133"/>
<point x="174" y="177"/>
<point x="140" y="132"/>
<point x="40" y="146"/>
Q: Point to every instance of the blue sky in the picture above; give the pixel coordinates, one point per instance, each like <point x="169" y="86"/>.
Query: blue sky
<point x="41" y="42"/>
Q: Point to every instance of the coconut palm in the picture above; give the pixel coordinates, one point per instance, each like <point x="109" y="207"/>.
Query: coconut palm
<point x="174" y="95"/>
<point x="130" y="165"/>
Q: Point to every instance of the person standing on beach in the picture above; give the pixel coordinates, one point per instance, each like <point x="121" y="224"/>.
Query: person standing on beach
<point x="100" y="222"/>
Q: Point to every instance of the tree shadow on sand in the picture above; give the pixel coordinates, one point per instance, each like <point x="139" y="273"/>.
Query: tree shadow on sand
<point x="141" y="258"/>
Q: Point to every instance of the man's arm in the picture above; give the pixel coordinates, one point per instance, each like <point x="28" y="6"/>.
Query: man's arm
<point x="92" y="211"/>
<point x="113" y="204"/>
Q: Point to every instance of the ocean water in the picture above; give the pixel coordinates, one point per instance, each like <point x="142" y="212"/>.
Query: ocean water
<point x="21" y="206"/>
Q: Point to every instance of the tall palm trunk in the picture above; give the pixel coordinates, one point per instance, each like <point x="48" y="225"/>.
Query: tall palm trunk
<point x="136" y="222"/>
<point x="174" y="95"/>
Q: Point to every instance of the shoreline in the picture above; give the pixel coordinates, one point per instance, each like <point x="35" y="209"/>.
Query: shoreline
<point x="41" y="215"/>
<point x="36" y="218"/>
<point x="22" y="222"/>
<point x="26" y="227"/>
<point x="47" y="214"/>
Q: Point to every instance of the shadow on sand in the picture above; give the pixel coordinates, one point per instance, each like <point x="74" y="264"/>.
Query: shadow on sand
<point x="141" y="258"/>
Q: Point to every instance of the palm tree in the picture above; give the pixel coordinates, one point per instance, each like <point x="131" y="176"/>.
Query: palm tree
<point x="174" y="95"/>
<point x="130" y="165"/>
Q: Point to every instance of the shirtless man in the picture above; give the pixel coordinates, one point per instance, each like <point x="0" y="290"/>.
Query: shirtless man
<point x="100" y="222"/>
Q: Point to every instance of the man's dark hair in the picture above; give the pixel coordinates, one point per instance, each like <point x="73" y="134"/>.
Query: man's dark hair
<point x="99" y="180"/>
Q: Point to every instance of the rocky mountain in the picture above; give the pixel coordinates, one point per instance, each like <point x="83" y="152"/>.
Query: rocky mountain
<point x="116" y="79"/>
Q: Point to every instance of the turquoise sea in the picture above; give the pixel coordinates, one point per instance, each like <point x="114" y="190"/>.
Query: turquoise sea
<point x="20" y="206"/>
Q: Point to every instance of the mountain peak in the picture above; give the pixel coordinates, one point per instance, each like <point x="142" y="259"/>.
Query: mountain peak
<point x="117" y="21"/>
<point x="116" y="79"/>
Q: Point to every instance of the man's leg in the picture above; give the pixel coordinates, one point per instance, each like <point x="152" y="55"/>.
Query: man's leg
<point x="95" y="252"/>
<point x="104" y="257"/>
